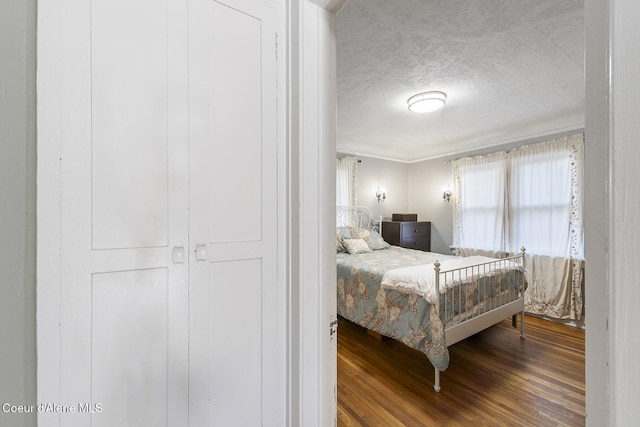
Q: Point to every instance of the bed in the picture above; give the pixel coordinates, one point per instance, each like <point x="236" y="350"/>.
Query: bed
<point x="426" y="300"/>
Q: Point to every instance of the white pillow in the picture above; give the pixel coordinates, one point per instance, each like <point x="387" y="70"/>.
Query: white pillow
<point x="356" y="246"/>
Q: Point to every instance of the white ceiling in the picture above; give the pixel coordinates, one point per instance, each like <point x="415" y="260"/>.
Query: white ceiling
<point x="512" y="70"/>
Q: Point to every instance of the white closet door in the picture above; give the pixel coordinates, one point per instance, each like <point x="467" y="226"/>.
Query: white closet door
<point x="123" y="302"/>
<point x="233" y="224"/>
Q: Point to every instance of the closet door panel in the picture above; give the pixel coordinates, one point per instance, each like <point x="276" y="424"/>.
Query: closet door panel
<point x="236" y="317"/>
<point x="129" y="120"/>
<point x="227" y="110"/>
<point x="122" y="309"/>
<point x="235" y="122"/>
<point x="135" y="302"/>
<point x="233" y="340"/>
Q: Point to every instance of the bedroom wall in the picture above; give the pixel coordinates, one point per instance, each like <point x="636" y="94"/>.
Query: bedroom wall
<point x="426" y="182"/>
<point x="389" y="175"/>
<point x="17" y="208"/>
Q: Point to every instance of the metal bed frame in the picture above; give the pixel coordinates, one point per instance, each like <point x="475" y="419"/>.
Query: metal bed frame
<point x="479" y="317"/>
<point x="475" y="317"/>
<point x="357" y="216"/>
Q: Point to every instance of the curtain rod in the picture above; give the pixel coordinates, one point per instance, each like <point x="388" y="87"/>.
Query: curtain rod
<point x="359" y="161"/>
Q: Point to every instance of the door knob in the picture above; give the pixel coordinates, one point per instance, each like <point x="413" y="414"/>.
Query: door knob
<point x="201" y="252"/>
<point x="178" y="254"/>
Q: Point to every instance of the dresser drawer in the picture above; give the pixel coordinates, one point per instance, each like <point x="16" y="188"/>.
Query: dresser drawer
<point x="422" y="243"/>
<point x="410" y="230"/>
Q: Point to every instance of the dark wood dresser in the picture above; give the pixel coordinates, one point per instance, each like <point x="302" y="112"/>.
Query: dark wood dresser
<point x="412" y="235"/>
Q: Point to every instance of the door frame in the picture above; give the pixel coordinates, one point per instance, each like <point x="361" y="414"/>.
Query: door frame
<point x="604" y="25"/>
<point x="311" y="211"/>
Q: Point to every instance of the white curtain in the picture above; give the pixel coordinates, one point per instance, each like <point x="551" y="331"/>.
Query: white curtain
<point x="545" y="206"/>
<point x="480" y="203"/>
<point x="536" y="192"/>
<point x="346" y="185"/>
<point x="346" y="182"/>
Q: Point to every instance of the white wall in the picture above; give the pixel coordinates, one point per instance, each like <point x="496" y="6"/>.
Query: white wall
<point x="17" y="208"/>
<point x="414" y="188"/>
<point x="389" y="175"/>
<point x="427" y="181"/>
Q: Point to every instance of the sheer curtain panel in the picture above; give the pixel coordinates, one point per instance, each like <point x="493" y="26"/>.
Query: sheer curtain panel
<point x="346" y="183"/>
<point x="545" y="214"/>
<point x="532" y="197"/>
<point x="480" y="203"/>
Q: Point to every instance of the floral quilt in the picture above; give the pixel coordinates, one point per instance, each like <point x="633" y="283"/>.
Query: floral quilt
<point x="408" y="317"/>
<point x="405" y="317"/>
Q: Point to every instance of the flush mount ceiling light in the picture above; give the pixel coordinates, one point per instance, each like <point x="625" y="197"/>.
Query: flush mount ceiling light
<point x="427" y="101"/>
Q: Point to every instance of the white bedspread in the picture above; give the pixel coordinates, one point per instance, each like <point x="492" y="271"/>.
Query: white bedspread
<point x="420" y="279"/>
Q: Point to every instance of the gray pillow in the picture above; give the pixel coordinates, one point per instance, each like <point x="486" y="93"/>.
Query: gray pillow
<point x="376" y="242"/>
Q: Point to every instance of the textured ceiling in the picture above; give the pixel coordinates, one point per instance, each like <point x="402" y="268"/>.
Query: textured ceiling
<point x="511" y="69"/>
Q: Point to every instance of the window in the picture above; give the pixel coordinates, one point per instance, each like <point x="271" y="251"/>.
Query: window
<point x="532" y="197"/>
<point x="529" y="196"/>
<point x="540" y="203"/>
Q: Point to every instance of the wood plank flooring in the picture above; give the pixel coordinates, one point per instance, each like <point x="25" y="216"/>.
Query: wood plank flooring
<point x="494" y="379"/>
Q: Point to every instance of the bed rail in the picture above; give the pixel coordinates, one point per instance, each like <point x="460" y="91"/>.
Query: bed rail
<point x="479" y="293"/>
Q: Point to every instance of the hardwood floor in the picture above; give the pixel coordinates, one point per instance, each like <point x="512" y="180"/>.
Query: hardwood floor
<point x="494" y="379"/>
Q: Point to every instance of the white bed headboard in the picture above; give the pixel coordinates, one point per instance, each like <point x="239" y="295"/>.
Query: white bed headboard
<point x="357" y="216"/>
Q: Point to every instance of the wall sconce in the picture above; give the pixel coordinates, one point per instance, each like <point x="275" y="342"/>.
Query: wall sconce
<point x="446" y="194"/>
<point x="381" y="195"/>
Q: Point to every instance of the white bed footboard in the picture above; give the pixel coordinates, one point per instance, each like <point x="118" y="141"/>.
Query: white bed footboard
<point x="475" y="312"/>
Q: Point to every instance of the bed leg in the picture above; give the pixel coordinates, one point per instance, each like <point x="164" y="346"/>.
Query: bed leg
<point x="522" y="325"/>
<point x="436" y="386"/>
<point x="514" y="320"/>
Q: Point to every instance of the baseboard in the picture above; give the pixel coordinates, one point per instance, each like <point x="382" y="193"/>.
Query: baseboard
<point x="568" y="322"/>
